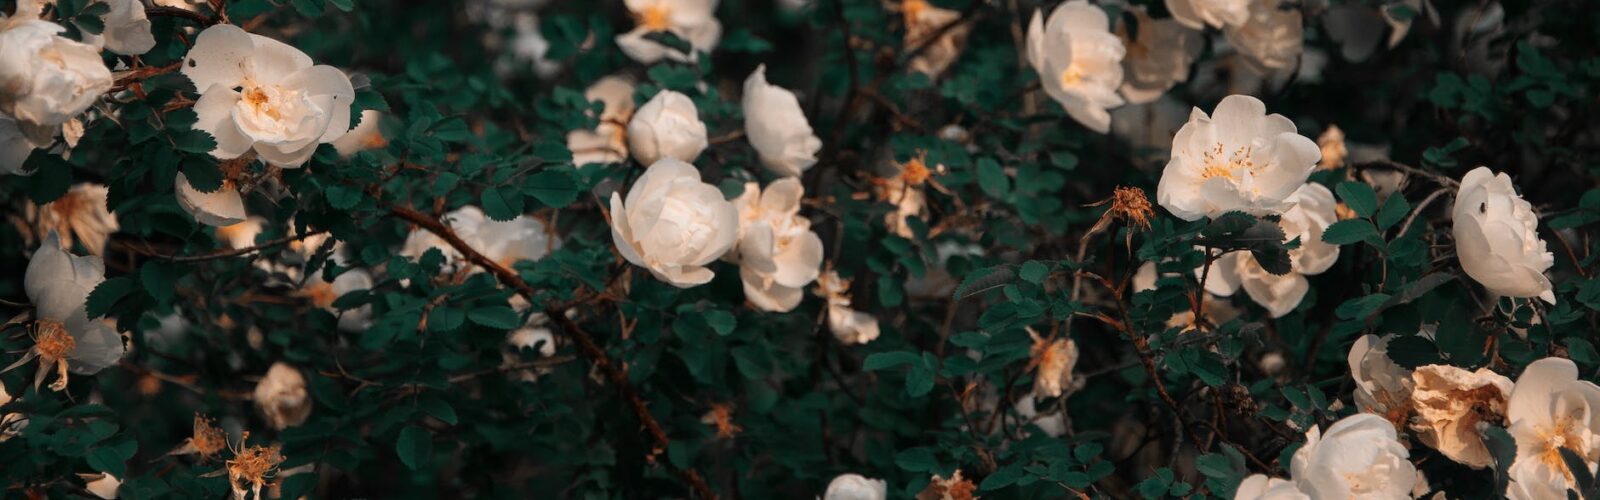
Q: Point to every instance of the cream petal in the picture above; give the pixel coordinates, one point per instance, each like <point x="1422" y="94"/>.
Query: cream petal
<point x="57" y="282"/>
<point x="1537" y="389"/>
<point x="218" y="57"/>
<point x="1279" y="294"/>
<point x="214" y="109"/>
<point x="621" y="234"/>
<point x="768" y="295"/>
<point x="273" y="61"/>
<point x="1224" y="279"/>
<point x="757" y="248"/>
<point x="327" y="81"/>
<point x="286" y="156"/>
<point x="98" y="346"/>
<point x="801" y="262"/>
<point x="221" y="208"/>
<point x="638" y="48"/>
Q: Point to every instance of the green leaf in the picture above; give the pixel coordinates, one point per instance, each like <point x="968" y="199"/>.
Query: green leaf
<point x="501" y="203"/>
<point x="445" y="319"/>
<point x="343" y="197"/>
<point x="1034" y="272"/>
<point x="194" y="142"/>
<point x="883" y="360"/>
<point x="415" y="447"/>
<point x="344" y="5"/>
<point x="52" y="177"/>
<point x="113" y="459"/>
<point x="1002" y="478"/>
<point x="106" y="295"/>
<point x="720" y="321"/>
<point x="992" y="178"/>
<point x="497" y="317"/>
<point x="1350" y="231"/>
<point x="919" y="381"/>
<point x="983" y="280"/>
<point x="1393" y="211"/>
<point x="918" y="460"/>
<point x="554" y="188"/>
<point x="1359" y="197"/>
<point x="308" y="8"/>
<point x="158" y="278"/>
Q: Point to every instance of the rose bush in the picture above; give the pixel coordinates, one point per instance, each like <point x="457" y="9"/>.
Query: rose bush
<point x="837" y="249"/>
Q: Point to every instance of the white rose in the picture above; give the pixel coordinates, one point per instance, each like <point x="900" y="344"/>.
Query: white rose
<point x="534" y="334"/>
<point x="365" y="136"/>
<point x="1273" y="38"/>
<point x="848" y="325"/>
<point x="608" y="141"/>
<point x="777" y="127"/>
<point x="504" y="242"/>
<point x="1197" y="14"/>
<point x="673" y="224"/>
<point x="1312" y="211"/>
<point x="1240" y="158"/>
<point x="1359" y="457"/>
<point x="46" y="79"/>
<point x="1158" y="58"/>
<point x="693" y="21"/>
<point x="219" y="208"/>
<point x="284" y="106"/>
<point x="1382" y="387"/>
<point x="282" y="398"/>
<point x="58" y="284"/>
<point x="668" y="126"/>
<point x="1079" y="61"/>
<point x="127" y="29"/>
<point x="1551" y="409"/>
<point x="1497" y="237"/>
<point x="778" y="253"/>
<point x="1261" y="487"/>
<point x="856" y="487"/>
<point x="1451" y="403"/>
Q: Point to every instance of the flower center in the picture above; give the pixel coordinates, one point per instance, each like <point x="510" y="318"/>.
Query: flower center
<point x="1561" y="434"/>
<point x="1072" y="76"/>
<point x="1217" y="163"/>
<point x="208" y="439"/>
<point x="915" y="172"/>
<point x="656" y="17"/>
<point x="53" y="341"/>
<point x="912" y="9"/>
<point x="261" y="102"/>
<point x="321" y="294"/>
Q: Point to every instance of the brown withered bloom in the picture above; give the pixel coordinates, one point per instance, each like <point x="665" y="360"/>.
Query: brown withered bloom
<point x="252" y="467"/>
<point x="1333" y="151"/>
<point x="208" y="440"/>
<point x="721" y="418"/>
<point x="1129" y="205"/>
<point x="955" y="488"/>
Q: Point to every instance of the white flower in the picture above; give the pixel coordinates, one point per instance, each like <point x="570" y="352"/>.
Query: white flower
<point x="856" y="487"/>
<point x="46" y="79"/>
<point x="1382" y="387"/>
<point x="504" y="242"/>
<point x="1240" y="158"/>
<point x="777" y="127"/>
<point x="923" y="21"/>
<point x="81" y="213"/>
<point x="1052" y="424"/>
<point x="1055" y="360"/>
<point x="1274" y="36"/>
<point x="1158" y="58"/>
<point x="1261" y="487"/>
<point x="1312" y="211"/>
<point x="222" y="207"/>
<point x="1359" y="457"/>
<point x="1079" y="61"/>
<point x="608" y="142"/>
<point x="778" y="253"/>
<point x="1451" y="403"/>
<point x="693" y="21"/>
<point x="529" y="45"/>
<point x="667" y="126"/>
<point x="674" y="224"/>
<point x="1217" y="310"/>
<point x="367" y="135"/>
<point x="102" y="485"/>
<point x="848" y="325"/>
<point x="534" y="334"/>
<point x="58" y="284"/>
<point x="127" y="29"/>
<point x="1497" y="237"/>
<point x="1197" y="14"/>
<point x="282" y="398"/>
<point x="1551" y="409"/>
<point x="16" y="146"/>
<point x="906" y="191"/>
<point x="283" y="106"/>
<point x="323" y="293"/>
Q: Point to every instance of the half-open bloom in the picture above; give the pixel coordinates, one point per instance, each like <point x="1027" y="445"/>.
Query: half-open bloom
<point x="777" y="127"/>
<point x="778" y="252"/>
<point x="667" y="126"/>
<point x="1497" y="237"/>
<point x="1079" y="61"/>
<point x="673" y="224"/>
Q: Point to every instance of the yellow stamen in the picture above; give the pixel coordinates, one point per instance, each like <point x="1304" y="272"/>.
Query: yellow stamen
<point x="1072" y="76"/>
<point x="656" y="17"/>
<point x="53" y="342"/>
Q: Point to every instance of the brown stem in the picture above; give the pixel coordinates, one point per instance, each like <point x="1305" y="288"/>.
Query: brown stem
<point x="240" y="251"/>
<point x="617" y="374"/>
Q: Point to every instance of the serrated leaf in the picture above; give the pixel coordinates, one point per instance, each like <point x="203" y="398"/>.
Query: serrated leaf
<point x="1350" y="231"/>
<point x="445" y="319"/>
<point x="983" y="280"/>
<point x="1359" y="197"/>
<point x="158" y="278"/>
<point x="106" y="295"/>
<point x="554" y="188"/>
<point x="883" y="360"/>
<point x="497" y="317"/>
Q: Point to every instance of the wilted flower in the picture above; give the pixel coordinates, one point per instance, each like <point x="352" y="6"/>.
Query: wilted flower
<point x="208" y="440"/>
<point x="923" y="21"/>
<point x="1197" y="14"/>
<point x="777" y="127"/>
<point x="848" y="325"/>
<point x="46" y="79"/>
<point x="1240" y="158"/>
<point x="1272" y="38"/>
<point x="127" y="29"/>
<point x="674" y="224"/>
<point x="608" y="142"/>
<point x="1129" y="205"/>
<point x="1550" y="410"/>
<point x="955" y="488"/>
<point x="856" y="487"/>
<point x="252" y="468"/>
<point x="365" y="136"/>
<point x="1450" y="405"/>
<point x="1359" y="457"/>
<point x="907" y="193"/>
<point x="667" y="126"/>
<point x="1382" y="387"/>
<point x="1079" y="61"/>
<point x="1497" y="237"/>
<point x="1360" y="28"/>
<point x="693" y="21"/>
<point x="65" y="338"/>
<point x="721" y="418"/>
<point x="80" y="214"/>
<point x="1158" y="58"/>
<point x="1054" y="359"/>
<point x="281" y="396"/>
<point x="1311" y="212"/>
<point x="778" y="252"/>
<point x="283" y="106"/>
<point x="1331" y="143"/>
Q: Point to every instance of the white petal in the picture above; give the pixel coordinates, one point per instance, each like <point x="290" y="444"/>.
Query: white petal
<point x="218" y="57"/>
